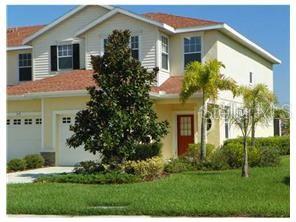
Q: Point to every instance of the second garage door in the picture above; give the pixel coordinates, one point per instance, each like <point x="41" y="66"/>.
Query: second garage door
<point x="69" y="156"/>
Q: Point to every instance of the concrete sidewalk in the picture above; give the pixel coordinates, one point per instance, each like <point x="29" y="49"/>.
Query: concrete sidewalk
<point x="28" y="176"/>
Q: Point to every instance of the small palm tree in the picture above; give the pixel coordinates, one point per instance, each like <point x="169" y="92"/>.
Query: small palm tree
<point x="205" y="77"/>
<point x="259" y="100"/>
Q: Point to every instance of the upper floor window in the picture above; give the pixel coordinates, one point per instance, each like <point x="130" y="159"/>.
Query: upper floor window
<point x="192" y="49"/>
<point x="65" y="57"/>
<point x="25" y="67"/>
<point x="250" y="77"/>
<point x="164" y="53"/>
<point x="134" y="45"/>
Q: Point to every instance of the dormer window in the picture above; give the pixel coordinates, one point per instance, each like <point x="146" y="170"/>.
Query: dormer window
<point x="192" y="49"/>
<point x="25" y="67"/>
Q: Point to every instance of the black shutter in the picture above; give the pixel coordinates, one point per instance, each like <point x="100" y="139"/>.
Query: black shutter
<point x="76" y="57"/>
<point x="53" y="58"/>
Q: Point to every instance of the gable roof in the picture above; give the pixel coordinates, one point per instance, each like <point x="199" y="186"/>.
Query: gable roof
<point x="178" y="21"/>
<point x="58" y="21"/>
<point x="16" y="35"/>
<point x="77" y="81"/>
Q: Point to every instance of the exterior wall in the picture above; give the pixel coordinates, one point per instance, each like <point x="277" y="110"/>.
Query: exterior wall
<point x="24" y="106"/>
<point x="60" y="33"/>
<point x="147" y="33"/>
<point x="12" y="72"/>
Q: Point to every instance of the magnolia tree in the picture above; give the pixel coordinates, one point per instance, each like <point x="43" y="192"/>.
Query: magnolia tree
<point x="119" y="114"/>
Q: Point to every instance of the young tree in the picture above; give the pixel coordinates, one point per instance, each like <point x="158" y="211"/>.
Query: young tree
<point x="242" y="119"/>
<point x="207" y="79"/>
<point x="119" y="114"/>
<point x="259" y="100"/>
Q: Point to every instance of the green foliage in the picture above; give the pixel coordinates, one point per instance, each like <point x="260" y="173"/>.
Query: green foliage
<point x="257" y="156"/>
<point x="119" y="114"/>
<point x="280" y="143"/>
<point x="146" y="151"/>
<point x="34" y="161"/>
<point x="178" y="165"/>
<point x="193" y="153"/>
<point x="89" y="167"/>
<point x="114" y="177"/>
<point x="148" y="169"/>
<point x="16" y="165"/>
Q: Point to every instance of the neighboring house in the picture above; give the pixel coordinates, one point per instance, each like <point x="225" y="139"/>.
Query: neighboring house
<point x="48" y="69"/>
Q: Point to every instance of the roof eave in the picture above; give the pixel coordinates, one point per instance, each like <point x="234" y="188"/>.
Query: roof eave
<point x="21" y="47"/>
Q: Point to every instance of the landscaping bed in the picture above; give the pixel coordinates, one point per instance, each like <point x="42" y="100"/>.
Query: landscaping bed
<point x="199" y="193"/>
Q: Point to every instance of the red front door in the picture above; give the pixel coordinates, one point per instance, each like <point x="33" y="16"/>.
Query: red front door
<point x="185" y="127"/>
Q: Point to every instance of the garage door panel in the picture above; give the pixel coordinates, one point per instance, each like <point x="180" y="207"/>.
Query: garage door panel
<point x="69" y="156"/>
<point x="23" y="139"/>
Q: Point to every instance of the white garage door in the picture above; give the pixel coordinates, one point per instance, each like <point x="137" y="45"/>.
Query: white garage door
<point x="69" y="156"/>
<point x="23" y="136"/>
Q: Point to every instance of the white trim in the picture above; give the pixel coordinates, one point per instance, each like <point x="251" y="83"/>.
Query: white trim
<point x="55" y="113"/>
<point x="168" y="53"/>
<point x="21" y="47"/>
<point x="124" y="12"/>
<point x="58" y="21"/>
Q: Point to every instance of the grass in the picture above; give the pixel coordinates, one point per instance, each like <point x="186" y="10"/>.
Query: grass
<point x="265" y="193"/>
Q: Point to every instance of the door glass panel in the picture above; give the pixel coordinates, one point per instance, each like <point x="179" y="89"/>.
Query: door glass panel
<point x="185" y="126"/>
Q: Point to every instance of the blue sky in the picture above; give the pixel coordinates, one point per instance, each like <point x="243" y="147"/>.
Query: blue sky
<point x="268" y="26"/>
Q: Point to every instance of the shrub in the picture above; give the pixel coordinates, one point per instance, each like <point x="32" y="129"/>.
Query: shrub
<point x="281" y="143"/>
<point x="257" y="156"/>
<point x="178" y="165"/>
<point x="147" y="169"/>
<point x="34" y="161"/>
<point x="269" y="157"/>
<point x="217" y="161"/>
<point x="114" y="177"/>
<point x="193" y="153"/>
<point x="89" y="167"/>
<point x="16" y="165"/>
<point x="146" y="151"/>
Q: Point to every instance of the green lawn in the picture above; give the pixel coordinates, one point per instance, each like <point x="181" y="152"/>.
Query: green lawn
<point x="265" y="193"/>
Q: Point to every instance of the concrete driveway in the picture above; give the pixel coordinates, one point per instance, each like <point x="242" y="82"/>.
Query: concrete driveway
<point x="28" y="176"/>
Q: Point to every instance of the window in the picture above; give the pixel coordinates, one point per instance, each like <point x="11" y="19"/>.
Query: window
<point x="226" y="122"/>
<point x="66" y="120"/>
<point x="209" y="124"/>
<point x="8" y="122"/>
<point x="38" y="121"/>
<point x="164" y="53"/>
<point x="25" y="67"/>
<point x="251" y="77"/>
<point x="192" y="50"/>
<point x="134" y="44"/>
<point x="185" y="126"/>
<point x="65" y="56"/>
<point x="17" y="122"/>
<point x="28" y="121"/>
<point x="135" y="47"/>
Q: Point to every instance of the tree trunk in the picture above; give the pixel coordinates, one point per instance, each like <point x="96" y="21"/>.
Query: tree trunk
<point x="245" y="166"/>
<point x="253" y="129"/>
<point x="203" y="131"/>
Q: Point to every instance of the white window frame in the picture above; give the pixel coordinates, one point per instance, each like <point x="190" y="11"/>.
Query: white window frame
<point x="67" y="56"/>
<point x="19" y="67"/>
<point x="201" y="36"/>
<point x="163" y="52"/>
<point x="106" y="37"/>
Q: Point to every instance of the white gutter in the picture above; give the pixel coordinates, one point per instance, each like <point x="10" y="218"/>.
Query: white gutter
<point x="22" y="47"/>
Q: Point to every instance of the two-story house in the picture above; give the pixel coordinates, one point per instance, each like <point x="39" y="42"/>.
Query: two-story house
<point x="48" y="70"/>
